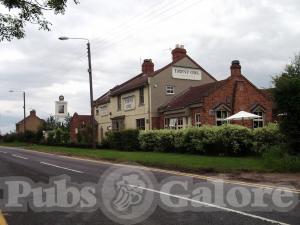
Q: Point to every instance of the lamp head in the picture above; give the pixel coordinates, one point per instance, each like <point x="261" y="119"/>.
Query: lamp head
<point x="63" y="38"/>
<point x="10" y="91"/>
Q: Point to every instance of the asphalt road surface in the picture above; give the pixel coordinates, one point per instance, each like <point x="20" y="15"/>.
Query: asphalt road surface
<point x="40" y="167"/>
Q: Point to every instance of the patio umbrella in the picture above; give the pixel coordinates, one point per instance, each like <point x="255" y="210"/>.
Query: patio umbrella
<point x="242" y="115"/>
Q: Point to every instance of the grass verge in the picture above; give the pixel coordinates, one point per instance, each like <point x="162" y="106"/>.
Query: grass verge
<point x="183" y="162"/>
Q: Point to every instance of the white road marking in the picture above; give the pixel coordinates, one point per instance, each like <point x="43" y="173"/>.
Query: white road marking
<point x="172" y="172"/>
<point x="3" y="152"/>
<point x="61" y="167"/>
<point x="213" y="206"/>
<point x="18" y="156"/>
<point x="152" y="169"/>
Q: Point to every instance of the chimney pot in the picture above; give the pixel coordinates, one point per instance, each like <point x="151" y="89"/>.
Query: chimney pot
<point x="32" y="113"/>
<point x="148" y="66"/>
<point x="178" y="53"/>
<point x="235" y="68"/>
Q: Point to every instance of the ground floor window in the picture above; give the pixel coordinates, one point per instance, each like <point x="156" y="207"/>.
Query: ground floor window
<point x="174" y="123"/>
<point x="221" y="115"/>
<point x="197" y="120"/>
<point x="118" y="124"/>
<point x="140" y="124"/>
<point x="260" y="121"/>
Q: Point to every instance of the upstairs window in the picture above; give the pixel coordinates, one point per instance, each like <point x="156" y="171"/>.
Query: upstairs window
<point x="141" y="96"/>
<point x="259" y="122"/>
<point x="119" y="103"/>
<point x="170" y="90"/>
<point x="197" y="120"/>
<point x="103" y="110"/>
<point x="129" y="103"/>
<point x="221" y="114"/>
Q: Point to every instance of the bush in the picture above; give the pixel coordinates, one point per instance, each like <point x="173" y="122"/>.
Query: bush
<point x="213" y="140"/>
<point x="158" y="140"/>
<point x="234" y="140"/>
<point x="123" y="140"/>
<point x="276" y="158"/>
<point x="267" y="136"/>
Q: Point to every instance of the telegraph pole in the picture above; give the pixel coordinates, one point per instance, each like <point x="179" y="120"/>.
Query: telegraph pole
<point x="91" y="96"/>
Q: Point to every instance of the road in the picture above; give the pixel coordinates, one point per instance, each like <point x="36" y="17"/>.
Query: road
<point x="40" y="167"/>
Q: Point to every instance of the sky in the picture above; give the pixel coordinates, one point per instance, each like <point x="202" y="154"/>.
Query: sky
<point x="263" y="34"/>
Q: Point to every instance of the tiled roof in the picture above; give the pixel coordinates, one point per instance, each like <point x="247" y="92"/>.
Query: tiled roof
<point x="193" y="95"/>
<point x="20" y="122"/>
<point x="103" y="99"/>
<point x="136" y="82"/>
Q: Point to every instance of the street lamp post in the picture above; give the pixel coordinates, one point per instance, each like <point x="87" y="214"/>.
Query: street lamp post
<point x="24" y="107"/>
<point x="91" y="85"/>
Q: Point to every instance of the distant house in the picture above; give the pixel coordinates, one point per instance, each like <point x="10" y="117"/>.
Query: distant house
<point x="78" y="123"/>
<point x="32" y="123"/>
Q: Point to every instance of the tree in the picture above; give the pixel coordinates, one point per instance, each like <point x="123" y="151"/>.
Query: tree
<point x="12" y="25"/>
<point x="287" y="99"/>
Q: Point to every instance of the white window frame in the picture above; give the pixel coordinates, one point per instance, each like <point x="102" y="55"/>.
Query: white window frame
<point x="198" y="120"/>
<point x="129" y="101"/>
<point x="170" y="89"/>
<point x="222" y="118"/>
<point x="259" y="111"/>
<point x="103" y="110"/>
<point x="174" y="123"/>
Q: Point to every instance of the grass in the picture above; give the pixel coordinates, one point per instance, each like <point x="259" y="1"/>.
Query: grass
<point x="184" y="162"/>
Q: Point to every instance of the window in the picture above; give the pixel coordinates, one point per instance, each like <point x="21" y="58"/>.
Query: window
<point x="103" y="110"/>
<point x="61" y="109"/>
<point x="179" y="124"/>
<point x="221" y="115"/>
<point x="140" y="124"/>
<point x="97" y="112"/>
<point x="141" y="95"/>
<point x="170" y="90"/>
<point x="119" y="103"/>
<point x="197" y="120"/>
<point x="174" y="123"/>
<point x="118" y="124"/>
<point x="167" y="123"/>
<point x="260" y="121"/>
<point x="129" y="103"/>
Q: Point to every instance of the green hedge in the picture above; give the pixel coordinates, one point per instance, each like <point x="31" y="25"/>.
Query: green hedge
<point x="206" y="140"/>
<point x="123" y="140"/>
<point x="209" y="140"/>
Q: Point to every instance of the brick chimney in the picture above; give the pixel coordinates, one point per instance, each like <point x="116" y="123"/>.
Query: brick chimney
<point x="178" y="52"/>
<point x="32" y="113"/>
<point x="148" y="66"/>
<point x="235" y="68"/>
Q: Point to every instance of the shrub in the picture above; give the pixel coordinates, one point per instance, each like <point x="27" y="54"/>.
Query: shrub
<point x="234" y="140"/>
<point x="123" y="140"/>
<point x="197" y="140"/>
<point x="267" y="136"/>
<point x="158" y="140"/>
<point x="276" y="158"/>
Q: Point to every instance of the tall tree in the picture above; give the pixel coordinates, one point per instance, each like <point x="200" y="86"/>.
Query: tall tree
<point x="12" y="24"/>
<point x="287" y="99"/>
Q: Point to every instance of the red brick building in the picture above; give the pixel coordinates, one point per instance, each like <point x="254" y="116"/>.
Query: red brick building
<point x="78" y="122"/>
<point x="213" y="102"/>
